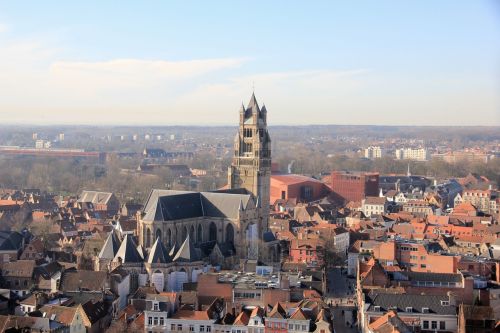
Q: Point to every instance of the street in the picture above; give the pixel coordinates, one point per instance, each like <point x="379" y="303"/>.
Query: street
<point x="341" y="296"/>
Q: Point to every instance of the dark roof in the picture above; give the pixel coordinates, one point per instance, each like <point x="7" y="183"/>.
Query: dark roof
<point x="10" y="240"/>
<point x="159" y="253"/>
<point x="94" y="310"/>
<point x="187" y="252"/>
<point x="75" y="280"/>
<point x="435" y="277"/>
<point x="110" y="247"/>
<point x="399" y="303"/>
<point x="163" y="205"/>
<point x="268" y="236"/>
<point x="128" y="252"/>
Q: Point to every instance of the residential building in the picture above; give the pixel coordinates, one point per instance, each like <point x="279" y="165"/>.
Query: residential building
<point x="374" y="152"/>
<point x="418" y="154"/>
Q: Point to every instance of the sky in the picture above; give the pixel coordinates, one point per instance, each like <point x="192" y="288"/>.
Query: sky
<point x="357" y="62"/>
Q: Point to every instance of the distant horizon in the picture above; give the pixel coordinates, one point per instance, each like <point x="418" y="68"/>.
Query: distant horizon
<point x="388" y="63"/>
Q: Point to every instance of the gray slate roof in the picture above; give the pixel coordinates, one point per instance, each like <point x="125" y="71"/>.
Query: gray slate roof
<point x="159" y="253"/>
<point x="187" y="252"/>
<point x="10" y="240"/>
<point x="400" y="302"/>
<point x="435" y="277"/>
<point x="110" y="247"/>
<point x="128" y="251"/>
<point x="164" y="205"/>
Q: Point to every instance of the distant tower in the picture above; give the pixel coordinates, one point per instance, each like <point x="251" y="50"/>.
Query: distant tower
<point x="251" y="164"/>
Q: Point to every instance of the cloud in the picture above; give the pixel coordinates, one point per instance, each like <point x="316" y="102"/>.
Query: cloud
<point x="3" y="27"/>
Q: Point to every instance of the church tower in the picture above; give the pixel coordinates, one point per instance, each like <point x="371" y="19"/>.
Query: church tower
<point x="251" y="164"/>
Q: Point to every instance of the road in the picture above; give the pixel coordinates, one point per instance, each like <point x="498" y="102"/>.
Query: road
<point x="341" y="292"/>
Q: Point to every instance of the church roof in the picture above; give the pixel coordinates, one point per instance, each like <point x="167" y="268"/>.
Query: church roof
<point x="128" y="251"/>
<point x="187" y="252"/>
<point x="175" y="205"/>
<point x="110" y="247"/>
<point x="159" y="253"/>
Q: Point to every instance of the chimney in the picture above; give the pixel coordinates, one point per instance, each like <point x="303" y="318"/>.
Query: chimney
<point x="451" y="298"/>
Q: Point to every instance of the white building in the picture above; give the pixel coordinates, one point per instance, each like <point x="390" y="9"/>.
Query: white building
<point x="418" y="154"/>
<point x="373" y="206"/>
<point x="373" y="152"/>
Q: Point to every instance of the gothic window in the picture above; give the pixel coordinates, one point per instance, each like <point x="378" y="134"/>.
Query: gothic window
<point x="199" y="234"/>
<point x="212" y="232"/>
<point x="148" y="238"/>
<point x="191" y="233"/>
<point x="158" y="234"/>
<point x="169" y="237"/>
<point x="184" y="233"/>
<point x="247" y="133"/>
<point x="230" y="233"/>
<point x="247" y="147"/>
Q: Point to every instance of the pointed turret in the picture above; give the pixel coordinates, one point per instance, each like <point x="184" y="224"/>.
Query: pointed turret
<point x="187" y="252"/>
<point x="110" y="247"/>
<point x="253" y="105"/>
<point x="159" y="253"/>
<point x="127" y="252"/>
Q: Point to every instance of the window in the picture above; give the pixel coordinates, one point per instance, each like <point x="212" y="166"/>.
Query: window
<point x="179" y="327"/>
<point x="209" y="329"/>
<point x="423" y="266"/>
<point x="434" y="325"/>
<point x="445" y="303"/>
<point x="283" y="195"/>
<point x="426" y="324"/>
<point x="290" y="326"/>
<point x="442" y="325"/>
<point x="304" y="328"/>
<point x="256" y="322"/>
<point x="268" y="324"/>
<point x="172" y="327"/>
<point x="162" y="321"/>
<point x="409" y="309"/>
<point x="155" y="306"/>
<point x="283" y="325"/>
<point x="425" y="310"/>
<point x="155" y="321"/>
<point x="150" y="321"/>
<point x="191" y="328"/>
<point x="202" y="328"/>
<point x="297" y="327"/>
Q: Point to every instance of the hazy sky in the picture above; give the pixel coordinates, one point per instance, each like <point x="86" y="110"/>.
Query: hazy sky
<point x="194" y="62"/>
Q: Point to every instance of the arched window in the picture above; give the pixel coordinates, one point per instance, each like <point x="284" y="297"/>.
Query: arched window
<point x="199" y="234"/>
<point x="158" y="234"/>
<point x="169" y="237"/>
<point x="191" y="233"/>
<point x="148" y="238"/>
<point x="184" y="234"/>
<point x="230" y="233"/>
<point x="212" y="232"/>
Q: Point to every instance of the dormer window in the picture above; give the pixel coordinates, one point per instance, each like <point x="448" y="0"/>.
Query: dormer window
<point x="156" y="306"/>
<point x="425" y="310"/>
<point x="376" y="308"/>
<point x="445" y="303"/>
<point x="409" y="309"/>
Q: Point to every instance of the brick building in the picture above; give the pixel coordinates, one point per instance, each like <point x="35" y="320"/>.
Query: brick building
<point x="298" y="187"/>
<point x="349" y="186"/>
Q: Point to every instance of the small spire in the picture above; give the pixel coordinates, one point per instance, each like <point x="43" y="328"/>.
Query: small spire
<point x="241" y="208"/>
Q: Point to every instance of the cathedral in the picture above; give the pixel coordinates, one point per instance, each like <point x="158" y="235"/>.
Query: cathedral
<point x="230" y="222"/>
